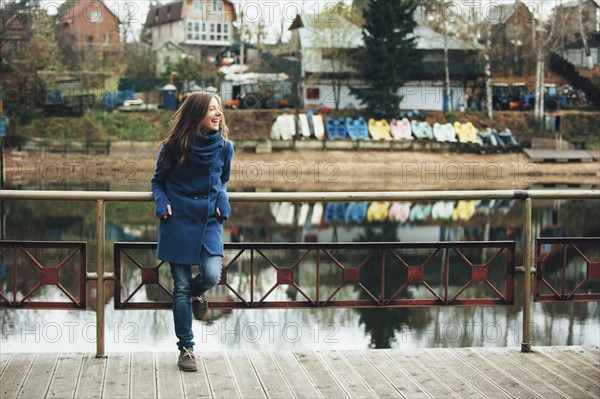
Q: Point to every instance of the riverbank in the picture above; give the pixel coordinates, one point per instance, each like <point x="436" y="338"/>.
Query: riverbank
<point x="129" y="167"/>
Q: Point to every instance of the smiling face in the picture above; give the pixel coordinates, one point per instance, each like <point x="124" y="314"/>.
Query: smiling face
<point x="212" y="120"/>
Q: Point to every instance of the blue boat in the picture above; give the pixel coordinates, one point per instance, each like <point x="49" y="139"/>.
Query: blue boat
<point x="357" y="128"/>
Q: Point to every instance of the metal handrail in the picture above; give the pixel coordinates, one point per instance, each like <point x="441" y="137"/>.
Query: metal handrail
<point x="101" y="197"/>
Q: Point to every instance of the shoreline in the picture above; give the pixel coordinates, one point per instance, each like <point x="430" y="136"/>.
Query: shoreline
<point x="130" y="168"/>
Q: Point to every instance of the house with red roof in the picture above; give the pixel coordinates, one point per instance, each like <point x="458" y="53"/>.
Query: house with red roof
<point x="89" y="28"/>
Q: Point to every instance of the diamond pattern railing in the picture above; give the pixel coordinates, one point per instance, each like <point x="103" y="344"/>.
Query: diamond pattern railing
<point x="567" y="269"/>
<point x="285" y="275"/>
<point x="31" y="274"/>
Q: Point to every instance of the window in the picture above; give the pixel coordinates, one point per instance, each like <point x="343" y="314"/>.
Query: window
<point x="217" y="5"/>
<point x="197" y="5"/>
<point x="95" y="16"/>
<point x="203" y="31"/>
<point x="313" y="93"/>
<point x="107" y="38"/>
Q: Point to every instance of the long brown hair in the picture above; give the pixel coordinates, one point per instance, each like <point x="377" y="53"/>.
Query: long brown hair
<point x="184" y="127"/>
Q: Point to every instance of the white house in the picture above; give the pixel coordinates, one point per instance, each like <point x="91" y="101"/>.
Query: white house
<point x="320" y="45"/>
<point x="200" y="28"/>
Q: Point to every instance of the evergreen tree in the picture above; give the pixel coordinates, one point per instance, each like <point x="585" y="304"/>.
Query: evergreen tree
<point x="388" y="56"/>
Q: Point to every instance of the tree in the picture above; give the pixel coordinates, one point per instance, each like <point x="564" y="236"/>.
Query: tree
<point x="25" y="87"/>
<point x="388" y="56"/>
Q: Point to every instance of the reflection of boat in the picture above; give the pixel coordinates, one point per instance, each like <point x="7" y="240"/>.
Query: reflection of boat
<point x="335" y="212"/>
<point x="285" y="213"/>
<point x="464" y="210"/>
<point x="303" y="214"/>
<point x="379" y="129"/>
<point x="377" y="211"/>
<point x="420" y="212"/>
<point x="401" y="129"/>
<point x="442" y="210"/>
<point x="317" y="214"/>
<point x="356" y="212"/>
<point x="399" y="211"/>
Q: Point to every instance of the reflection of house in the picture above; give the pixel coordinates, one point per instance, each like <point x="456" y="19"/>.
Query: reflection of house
<point x="89" y="28"/>
<point x="323" y="49"/>
<point x="201" y="28"/>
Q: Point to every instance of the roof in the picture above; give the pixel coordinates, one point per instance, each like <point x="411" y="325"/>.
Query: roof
<point x="428" y="39"/>
<point x="81" y="8"/>
<point x="348" y="35"/>
<point x="500" y="14"/>
<point x="170" y="12"/>
<point x="166" y="13"/>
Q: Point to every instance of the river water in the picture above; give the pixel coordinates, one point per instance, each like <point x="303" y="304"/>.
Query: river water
<point x="300" y="329"/>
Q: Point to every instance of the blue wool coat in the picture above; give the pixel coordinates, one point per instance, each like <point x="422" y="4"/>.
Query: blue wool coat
<point x="194" y="191"/>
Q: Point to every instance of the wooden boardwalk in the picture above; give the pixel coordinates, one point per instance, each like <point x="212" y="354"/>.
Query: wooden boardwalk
<point x="548" y="372"/>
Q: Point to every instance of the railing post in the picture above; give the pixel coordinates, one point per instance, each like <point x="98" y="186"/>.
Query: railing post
<point x="100" y="276"/>
<point x="528" y="266"/>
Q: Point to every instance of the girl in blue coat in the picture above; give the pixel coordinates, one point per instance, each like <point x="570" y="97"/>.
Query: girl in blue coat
<point x="190" y="190"/>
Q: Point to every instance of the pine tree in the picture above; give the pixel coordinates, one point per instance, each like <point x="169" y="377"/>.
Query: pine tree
<point x="388" y="56"/>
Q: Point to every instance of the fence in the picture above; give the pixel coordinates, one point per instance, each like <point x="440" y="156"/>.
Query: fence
<point x="379" y="294"/>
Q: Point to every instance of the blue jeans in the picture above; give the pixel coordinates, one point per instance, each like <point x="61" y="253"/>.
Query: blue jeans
<point x="184" y="287"/>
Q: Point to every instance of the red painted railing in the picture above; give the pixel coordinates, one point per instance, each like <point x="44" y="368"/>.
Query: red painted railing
<point x="382" y="274"/>
<point x="556" y="281"/>
<point x="48" y="259"/>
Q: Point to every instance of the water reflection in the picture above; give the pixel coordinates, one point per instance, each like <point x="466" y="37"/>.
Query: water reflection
<point x="555" y="324"/>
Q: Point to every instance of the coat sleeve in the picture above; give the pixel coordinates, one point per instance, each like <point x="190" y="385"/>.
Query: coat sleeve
<point x="158" y="187"/>
<point x="222" y="199"/>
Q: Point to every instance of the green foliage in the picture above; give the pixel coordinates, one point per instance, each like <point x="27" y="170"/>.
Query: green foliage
<point x="389" y="54"/>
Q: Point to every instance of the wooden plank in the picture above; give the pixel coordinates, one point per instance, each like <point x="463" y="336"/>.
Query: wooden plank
<point x="222" y="383"/>
<point x="91" y="377"/>
<point x="399" y="378"/>
<point x="430" y="383"/>
<point x="196" y="384"/>
<point x="143" y="375"/>
<point x="299" y="382"/>
<point x="325" y="384"/>
<point x="169" y="383"/>
<point x="40" y="374"/>
<point x="347" y="377"/>
<point x="481" y="383"/>
<point x="377" y="383"/>
<point x="506" y="359"/>
<point x="579" y="373"/>
<point x="430" y="360"/>
<point x="64" y="382"/>
<point x="4" y="359"/>
<point x="15" y="374"/>
<point x="593" y="354"/>
<point x="245" y="377"/>
<point x="270" y="376"/>
<point x="116" y="381"/>
<point x="500" y="377"/>
<point x="550" y="371"/>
